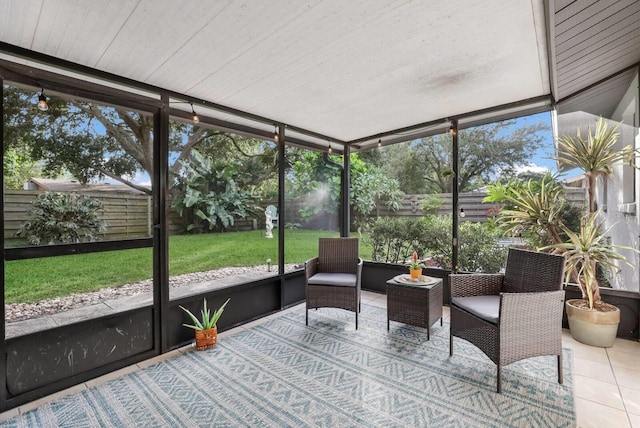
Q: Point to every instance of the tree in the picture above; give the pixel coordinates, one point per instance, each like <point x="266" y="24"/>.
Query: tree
<point x="19" y="168"/>
<point x="18" y="111"/>
<point x="94" y="142"/>
<point x="320" y="181"/>
<point x="369" y="190"/>
<point x="589" y="251"/>
<point x="425" y="165"/>
<point x="257" y="159"/>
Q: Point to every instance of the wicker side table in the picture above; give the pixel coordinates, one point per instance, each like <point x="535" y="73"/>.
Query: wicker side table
<point x="418" y="305"/>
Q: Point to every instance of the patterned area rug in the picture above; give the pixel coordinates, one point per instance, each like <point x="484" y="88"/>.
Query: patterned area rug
<point x="284" y="374"/>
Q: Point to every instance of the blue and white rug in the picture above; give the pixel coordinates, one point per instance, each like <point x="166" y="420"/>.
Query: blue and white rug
<point x="284" y="374"/>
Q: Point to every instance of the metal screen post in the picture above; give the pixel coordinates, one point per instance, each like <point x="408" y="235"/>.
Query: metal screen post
<point x="454" y="194"/>
<point x="160" y="182"/>
<point x="346" y="192"/>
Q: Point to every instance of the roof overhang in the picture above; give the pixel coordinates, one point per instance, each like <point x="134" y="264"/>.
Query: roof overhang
<point x="596" y="53"/>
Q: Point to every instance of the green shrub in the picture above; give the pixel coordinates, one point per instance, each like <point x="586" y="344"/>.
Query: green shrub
<point x="63" y="218"/>
<point x="570" y="217"/>
<point x="479" y="249"/>
<point x="431" y="203"/>
<point x="394" y="239"/>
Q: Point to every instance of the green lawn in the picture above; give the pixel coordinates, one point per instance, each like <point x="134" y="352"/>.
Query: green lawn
<point x="36" y="279"/>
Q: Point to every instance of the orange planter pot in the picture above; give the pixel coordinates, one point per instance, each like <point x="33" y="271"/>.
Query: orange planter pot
<point x="206" y="339"/>
<point x="415" y="273"/>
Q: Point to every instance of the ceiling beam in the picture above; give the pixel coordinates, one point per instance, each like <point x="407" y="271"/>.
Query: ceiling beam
<point x="546" y="100"/>
<point x="549" y="21"/>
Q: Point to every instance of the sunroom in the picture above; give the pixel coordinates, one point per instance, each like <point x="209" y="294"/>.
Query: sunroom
<point x="305" y="108"/>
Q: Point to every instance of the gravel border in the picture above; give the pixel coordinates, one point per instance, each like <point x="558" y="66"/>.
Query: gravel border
<point x="22" y="311"/>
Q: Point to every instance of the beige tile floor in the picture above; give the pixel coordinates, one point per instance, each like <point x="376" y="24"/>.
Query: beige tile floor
<point x="607" y="381"/>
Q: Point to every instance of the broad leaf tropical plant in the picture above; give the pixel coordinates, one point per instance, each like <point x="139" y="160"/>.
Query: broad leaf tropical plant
<point x="584" y="251"/>
<point x="209" y="191"/>
<point x="207" y="320"/>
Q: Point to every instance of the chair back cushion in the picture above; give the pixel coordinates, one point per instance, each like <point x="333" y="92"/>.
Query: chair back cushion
<point x="338" y="255"/>
<point x="531" y="271"/>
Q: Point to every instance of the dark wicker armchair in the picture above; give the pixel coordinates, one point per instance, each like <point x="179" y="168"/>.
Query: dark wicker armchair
<point x="333" y="278"/>
<point x="511" y="316"/>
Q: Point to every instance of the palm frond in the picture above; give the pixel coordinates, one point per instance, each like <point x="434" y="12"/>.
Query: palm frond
<point x="595" y="155"/>
<point x="586" y="249"/>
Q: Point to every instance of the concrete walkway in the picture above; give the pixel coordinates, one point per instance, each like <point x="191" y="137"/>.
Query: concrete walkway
<point x="124" y="303"/>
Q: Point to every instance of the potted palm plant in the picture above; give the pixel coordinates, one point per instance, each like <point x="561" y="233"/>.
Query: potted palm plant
<point x="536" y="210"/>
<point x="591" y="321"/>
<point x="206" y="329"/>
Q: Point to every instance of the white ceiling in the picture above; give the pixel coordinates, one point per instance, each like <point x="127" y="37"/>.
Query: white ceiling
<point x="345" y="69"/>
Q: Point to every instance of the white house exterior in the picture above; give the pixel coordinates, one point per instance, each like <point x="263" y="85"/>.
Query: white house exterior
<point x="618" y="197"/>
<point x="621" y="193"/>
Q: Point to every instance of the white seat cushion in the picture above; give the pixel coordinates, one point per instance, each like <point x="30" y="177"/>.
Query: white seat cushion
<point x="485" y="307"/>
<point x="330" y="278"/>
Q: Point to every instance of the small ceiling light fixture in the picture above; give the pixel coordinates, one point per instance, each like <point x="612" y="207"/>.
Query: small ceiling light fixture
<point x="275" y="133"/>
<point x="330" y="149"/>
<point x="379" y="142"/>
<point x="194" y="115"/>
<point x="452" y="129"/>
<point x="42" y="101"/>
<point x="462" y="214"/>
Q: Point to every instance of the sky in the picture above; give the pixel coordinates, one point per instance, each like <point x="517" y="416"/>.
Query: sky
<point x="543" y="157"/>
<point x="539" y="163"/>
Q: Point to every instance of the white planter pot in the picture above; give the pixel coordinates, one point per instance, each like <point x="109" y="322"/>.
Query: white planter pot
<point x="593" y="327"/>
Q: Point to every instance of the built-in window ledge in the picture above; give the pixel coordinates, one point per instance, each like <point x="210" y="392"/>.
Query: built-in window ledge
<point x="627" y="208"/>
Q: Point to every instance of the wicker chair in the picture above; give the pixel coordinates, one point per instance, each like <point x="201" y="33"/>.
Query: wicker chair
<point x="511" y="316"/>
<point x="333" y="278"/>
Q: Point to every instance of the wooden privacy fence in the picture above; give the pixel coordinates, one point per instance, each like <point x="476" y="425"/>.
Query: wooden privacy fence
<point x="127" y="216"/>
<point x="130" y="216"/>
<point x="471" y="202"/>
